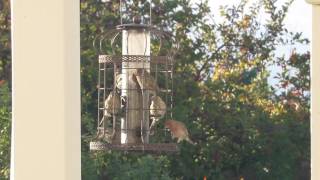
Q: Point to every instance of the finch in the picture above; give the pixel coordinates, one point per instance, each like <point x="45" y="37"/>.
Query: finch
<point x="118" y="80"/>
<point x="157" y="109"/>
<point x="146" y="81"/>
<point x="106" y="135"/>
<point x="112" y="104"/>
<point x="178" y="130"/>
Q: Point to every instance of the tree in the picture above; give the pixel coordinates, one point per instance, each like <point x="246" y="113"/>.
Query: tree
<point x="5" y="43"/>
<point x="5" y="94"/>
<point x="5" y="129"/>
<point x="242" y="127"/>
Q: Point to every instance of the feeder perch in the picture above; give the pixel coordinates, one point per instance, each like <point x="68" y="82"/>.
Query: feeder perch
<point x="131" y="86"/>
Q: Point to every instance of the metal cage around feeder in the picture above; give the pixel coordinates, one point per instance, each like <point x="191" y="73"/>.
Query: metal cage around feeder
<point x="129" y="88"/>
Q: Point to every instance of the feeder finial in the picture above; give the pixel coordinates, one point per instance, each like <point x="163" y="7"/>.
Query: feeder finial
<point x="136" y="19"/>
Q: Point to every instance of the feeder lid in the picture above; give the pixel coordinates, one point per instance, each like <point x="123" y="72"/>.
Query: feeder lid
<point x="136" y="19"/>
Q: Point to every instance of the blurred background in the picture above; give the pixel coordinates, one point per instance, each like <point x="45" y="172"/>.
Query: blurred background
<point x="242" y="89"/>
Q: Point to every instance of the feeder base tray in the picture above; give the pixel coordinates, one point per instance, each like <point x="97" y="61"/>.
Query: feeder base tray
<point x="156" y="147"/>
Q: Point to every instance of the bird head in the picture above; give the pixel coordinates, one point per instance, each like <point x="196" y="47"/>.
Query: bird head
<point x="134" y="78"/>
<point x="140" y="71"/>
<point x="168" y="124"/>
<point x="154" y="98"/>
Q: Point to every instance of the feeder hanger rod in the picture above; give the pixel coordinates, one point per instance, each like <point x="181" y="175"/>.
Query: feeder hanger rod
<point x="150" y="13"/>
<point x="120" y="11"/>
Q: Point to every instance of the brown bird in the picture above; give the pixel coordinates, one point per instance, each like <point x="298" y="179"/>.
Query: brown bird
<point x="178" y="130"/>
<point x="106" y="135"/>
<point x="146" y="81"/>
<point x="294" y="104"/>
<point x="112" y="104"/>
<point x="158" y="109"/>
<point x="118" y="80"/>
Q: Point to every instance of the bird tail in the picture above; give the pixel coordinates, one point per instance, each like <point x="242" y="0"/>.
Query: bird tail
<point x="190" y="141"/>
<point x="154" y="120"/>
<point x="107" y="114"/>
<point x="151" y="128"/>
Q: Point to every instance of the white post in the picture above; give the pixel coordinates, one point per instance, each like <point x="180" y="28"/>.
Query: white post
<point x="134" y="42"/>
<point x="46" y="90"/>
<point x="315" y="90"/>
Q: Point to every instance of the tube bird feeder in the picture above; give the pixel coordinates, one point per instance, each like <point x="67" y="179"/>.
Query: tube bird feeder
<point x="134" y="89"/>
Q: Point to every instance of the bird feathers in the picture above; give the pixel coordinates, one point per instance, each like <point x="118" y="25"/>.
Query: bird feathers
<point x="178" y="130"/>
<point x="158" y="107"/>
<point x="146" y="81"/>
<point x="112" y="104"/>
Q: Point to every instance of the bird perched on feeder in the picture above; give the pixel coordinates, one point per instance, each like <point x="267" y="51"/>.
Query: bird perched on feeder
<point x="146" y="81"/>
<point x="112" y="104"/>
<point x="178" y="130"/>
<point x="106" y="135"/>
<point x="118" y="80"/>
<point x="158" y="109"/>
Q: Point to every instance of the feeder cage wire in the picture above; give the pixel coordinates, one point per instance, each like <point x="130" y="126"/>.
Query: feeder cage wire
<point x="128" y="103"/>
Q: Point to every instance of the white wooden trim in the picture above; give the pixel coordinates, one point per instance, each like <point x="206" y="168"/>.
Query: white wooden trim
<point x="315" y="94"/>
<point x="315" y="90"/>
<point x="314" y="2"/>
<point x="46" y="90"/>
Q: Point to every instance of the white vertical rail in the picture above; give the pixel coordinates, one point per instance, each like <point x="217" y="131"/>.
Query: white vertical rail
<point x="46" y="90"/>
<point x="315" y="90"/>
<point x="315" y="97"/>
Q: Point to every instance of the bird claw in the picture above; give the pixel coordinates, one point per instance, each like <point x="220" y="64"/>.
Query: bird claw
<point x="107" y="138"/>
<point x="151" y="132"/>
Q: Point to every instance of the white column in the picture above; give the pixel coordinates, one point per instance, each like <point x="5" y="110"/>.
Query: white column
<point x="46" y="90"/>
<point x="315" y="90"/>
<point x="134" y="42"/>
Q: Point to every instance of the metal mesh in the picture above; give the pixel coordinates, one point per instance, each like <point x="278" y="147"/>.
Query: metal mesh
<point x="111" y="38"/>
<point x="160" y="68"/>
<point x="136" y="58"/>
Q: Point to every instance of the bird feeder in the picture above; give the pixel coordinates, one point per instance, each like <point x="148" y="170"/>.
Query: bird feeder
<point x="134" y="88"/>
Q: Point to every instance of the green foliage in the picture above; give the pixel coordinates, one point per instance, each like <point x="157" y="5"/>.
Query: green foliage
<point x="5" y="129"/>
<point x="5" y="95"/>
<point x="242" y="126"/>
<point x="145" y="167"/>
<point x="5" y="44"/>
